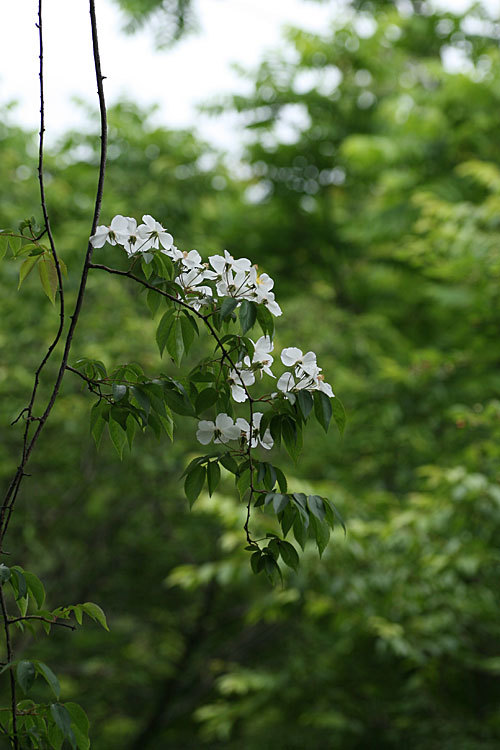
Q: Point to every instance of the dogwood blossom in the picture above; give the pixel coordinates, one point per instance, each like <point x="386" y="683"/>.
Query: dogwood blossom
<point x="262" y="358"/>
<point x="266" y="440"/>
<point x="293" y="357"/>
<point x="221" y="431"/>
<point x="238" y="379"/>
<point x="153" y="230"/>
<point x="113" y="233"/>
<point x="224" y="263"/>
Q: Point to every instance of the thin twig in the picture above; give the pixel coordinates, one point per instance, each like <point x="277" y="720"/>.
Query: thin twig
<point x="12" y="620"/>
<point x="8" y="648"/>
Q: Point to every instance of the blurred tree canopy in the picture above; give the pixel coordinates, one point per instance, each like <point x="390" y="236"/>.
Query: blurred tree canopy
<point x="370" y="189"/>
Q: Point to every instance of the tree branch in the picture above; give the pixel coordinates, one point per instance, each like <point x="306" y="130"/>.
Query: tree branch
<point x="13" y="489"/>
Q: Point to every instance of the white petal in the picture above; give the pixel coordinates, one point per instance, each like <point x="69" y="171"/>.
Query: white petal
<point x="290" y="356"/>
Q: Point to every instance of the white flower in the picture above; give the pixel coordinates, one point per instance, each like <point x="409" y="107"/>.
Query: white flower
<point x="232" y="284"/>
<point x="266" y="441"/>
<point x="320" y="385"/>
<point x="191" y="260"/>
<point x="286" y="382"/>
<point x="221" y="431"/>
<point x="132" y="239"/>
<point x="238" y="380"/>
<point x="291" y="357"/>
<point x="153" y="230"/>
<point x="262" y="355"/>
<point x="222" y="264"/>
<point x="112" y="233"/>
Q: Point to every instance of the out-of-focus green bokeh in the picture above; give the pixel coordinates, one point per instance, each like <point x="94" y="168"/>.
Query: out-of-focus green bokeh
<point x="378" y="215"/>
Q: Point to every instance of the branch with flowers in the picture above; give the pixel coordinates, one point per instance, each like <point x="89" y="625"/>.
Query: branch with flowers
<point x="227" y="297"/>
<point x="239" y="404"/>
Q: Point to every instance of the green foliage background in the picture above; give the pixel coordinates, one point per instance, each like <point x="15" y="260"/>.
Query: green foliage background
<point x="379" y="219"/>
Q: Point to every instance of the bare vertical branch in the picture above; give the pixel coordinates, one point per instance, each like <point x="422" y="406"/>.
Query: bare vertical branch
<point x="8" y="646"/>
<point x="29" y="444"/>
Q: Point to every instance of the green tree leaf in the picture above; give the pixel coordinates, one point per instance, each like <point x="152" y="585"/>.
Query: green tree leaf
<point x="289" y="554"/>
<point x="213" y="476"/>
<point x="48" y="276"/>
<point x="49" y="676"/>
<point x="339" y="414"/>
<point x="227" y="307"/>
<point x="248" y="315"/>
<point x="62" y="719"/>
<point x="26" y="268"/>
<point x="164" y="327"/>
<point x="322" y="409"/>
<point x="35" y="588"/>
<point x="25" y="673"/>
<point x="96" y="613"/>
<point x="79" y="724"/>
<point x="194" y="482"/>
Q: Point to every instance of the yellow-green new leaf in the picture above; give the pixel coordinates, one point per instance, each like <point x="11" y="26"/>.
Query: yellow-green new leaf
<point x="26" y="268"/>
<point x="48" y="277"/>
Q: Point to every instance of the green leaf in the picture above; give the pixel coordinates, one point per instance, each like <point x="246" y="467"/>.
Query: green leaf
<point x="18" y="582"/>
<point x="97" y="422"/>
<point x="290" y="431"/>
<point x="229" y="463"/>
<point x="227" y="307"/>
<point x="49" y="676"/>
<point x="213" y="476"/>
<point x="48" y="277"/>
<point x="4" y="244"/>
<point x="118" y="436"/>
<point x="175" y="342"/>
<point x="62" y="719"/>
<point x="142" y="398"/>
<point x="194" y="482"/>
<point x="25" y="674"/>
<point x="321" y="532"/>
<point x="4" y="574"/>
<point x="279" y="502"/>
<point x="26" y="268"/>
<point x="299" y="530"/>
<point x="322" y="409"/>
<point x="243" y="482"/>
<point x="79" y="724"/>
<point x="305" y="402"/>
<point x="205" y="400"/>
<point x="265" y="320"/>
<point x="153" y="300"/>
<point x="332" y="513"/>
<point x="288" y="518"/>
<point x="248" y="315"/>
<point x="163" y="331"/>
<point x="317" y="507"/>
<point x="289" y="554"/>
<point x="187" y="331"/>
<point x="96" y="613"/>
<point x="281" y="479"/>
<point x="271" y="568"/>
<point x="256" y="562"/>
<point x="119" y="391"/>
<point x="35" y="588"/>
<point x="339" y="414"/>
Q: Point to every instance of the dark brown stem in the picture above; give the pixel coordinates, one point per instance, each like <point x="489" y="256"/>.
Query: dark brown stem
<point x="8" y="647"/>
<point x="12" y="620"/>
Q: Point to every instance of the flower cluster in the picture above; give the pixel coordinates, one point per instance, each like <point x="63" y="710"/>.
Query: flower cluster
<point x="205" y="284"/>
<point x="306" y="374"/>
<point x="224" y="429"/>
<point x="231" y="278"/>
